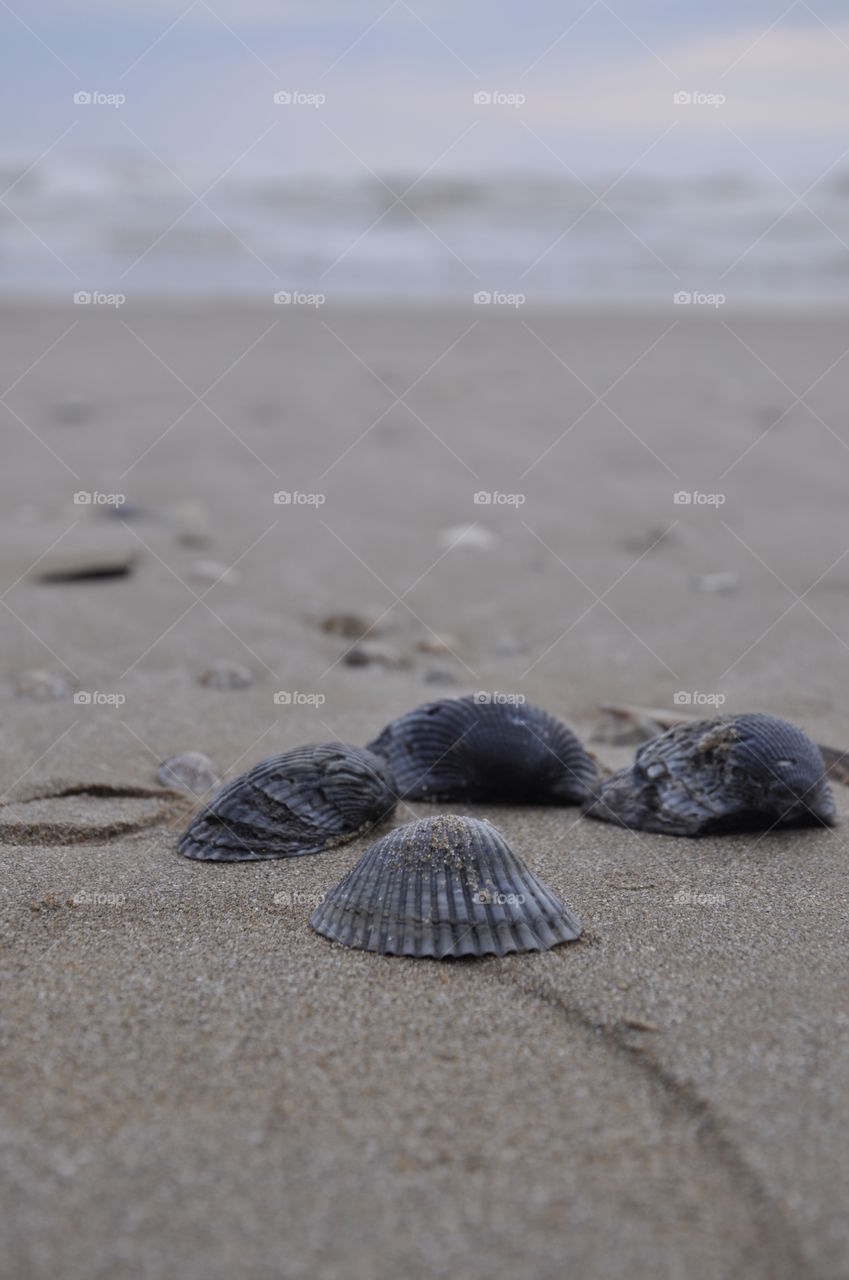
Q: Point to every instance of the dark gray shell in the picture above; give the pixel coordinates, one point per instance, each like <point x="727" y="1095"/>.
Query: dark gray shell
<point x="468" y="749"/>
<point x="737" y="773"/>
<point x="300" y="802"/>
<point x="444" y="887"/>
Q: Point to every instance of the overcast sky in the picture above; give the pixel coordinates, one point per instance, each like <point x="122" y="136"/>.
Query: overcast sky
<point x="399" y="82"/>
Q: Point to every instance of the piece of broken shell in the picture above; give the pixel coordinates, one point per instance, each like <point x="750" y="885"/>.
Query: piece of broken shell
<point x="735" y="773"/>
<point x="87" y="568"/>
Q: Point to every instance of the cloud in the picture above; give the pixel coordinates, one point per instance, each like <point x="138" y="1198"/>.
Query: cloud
<point x="791" y="80"/>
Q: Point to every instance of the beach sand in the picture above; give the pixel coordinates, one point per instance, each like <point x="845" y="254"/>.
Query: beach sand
<point x="196" y="1084"/>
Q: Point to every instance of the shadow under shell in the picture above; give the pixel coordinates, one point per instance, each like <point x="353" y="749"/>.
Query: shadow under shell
<point x="475" y="750"/>
<point x="708" y="777"/>
<point x="443" y="888"/>
<point x="300" y="802"/>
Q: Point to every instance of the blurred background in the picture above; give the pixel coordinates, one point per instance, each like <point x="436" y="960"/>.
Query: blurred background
<point x="579" y="152"/>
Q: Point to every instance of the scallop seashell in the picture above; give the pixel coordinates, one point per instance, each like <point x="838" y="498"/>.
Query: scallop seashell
<point x="736" y="773"/>
<point x="481" y="748"/>
<point x="299" y="802"/>
<point x="444" y="887"/>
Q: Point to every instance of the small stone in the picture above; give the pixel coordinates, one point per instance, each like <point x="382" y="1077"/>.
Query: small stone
<point x="189" y="771"/>
<point x="226" y="675"/>
<point x="373" y="653"/>
<point x="191" y="523"/>
<point x="437" y="644"/>
<point x="349" y="625"/>
<point x="440" y="675"/>
<point x="652" y="539"/>
<point x="212" y="571"/>
<point x="72" y="413"/>
<point x="469" y="537"/>
<point x="510" y="647"/>
<point x="723" y="583"/>
<point x="44" y="686"/>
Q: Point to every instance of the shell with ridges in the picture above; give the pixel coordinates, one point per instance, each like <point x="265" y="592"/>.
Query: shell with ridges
<point x="475" y="750"/>
<point x="296" y="803"/>
<point x="735" y="773"/>
<point x="444" y="887"/>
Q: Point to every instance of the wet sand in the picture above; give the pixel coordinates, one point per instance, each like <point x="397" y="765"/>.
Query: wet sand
<point x="196" y="1083"/>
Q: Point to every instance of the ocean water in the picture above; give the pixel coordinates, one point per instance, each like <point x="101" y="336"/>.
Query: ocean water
<point x="122" y="224"/>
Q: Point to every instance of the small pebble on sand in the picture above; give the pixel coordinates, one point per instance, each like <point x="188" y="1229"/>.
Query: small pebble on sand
<point x="44" y="686"/>
<point x="223" y="674"/>
<point x="191" y="524"/>
<point x="212" y="571"/>
<point x="440" y="675"/>
<point x="438" y="644"/>
<point x="469" y="537"/>
<point x="189" y="771"/>
<point x="723" y="583"/>
<point x="349" y="625"/>
<point x="373" y="653"/>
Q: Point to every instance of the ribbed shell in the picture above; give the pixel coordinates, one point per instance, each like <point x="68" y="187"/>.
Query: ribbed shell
<point x="740" y="773"/>
<point x="444" y="887"/>
<point x="465" y="749"/>
<point x="299" y="802"/>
